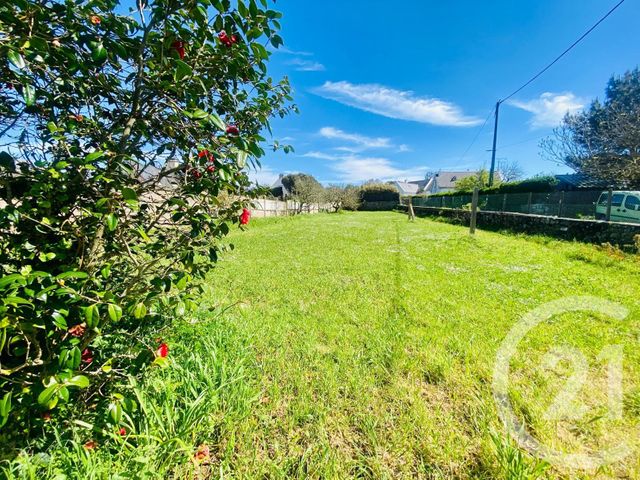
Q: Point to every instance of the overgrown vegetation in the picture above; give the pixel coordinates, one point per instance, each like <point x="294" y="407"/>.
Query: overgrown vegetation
<point x="604" y="140"/>
<point x="121" y="133"/>
<point x="539" y="184"/>
<point x="367" y="351"/>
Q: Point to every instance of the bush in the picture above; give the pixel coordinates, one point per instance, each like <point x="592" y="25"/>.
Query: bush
<point x="534" y="185"/>
<point x="379" y="192"/>
<point x="123" y="133"/>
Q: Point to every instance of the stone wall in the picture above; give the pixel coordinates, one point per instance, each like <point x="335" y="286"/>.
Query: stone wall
<point x="621" y="234"/>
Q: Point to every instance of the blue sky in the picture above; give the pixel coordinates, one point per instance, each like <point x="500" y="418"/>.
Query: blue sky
<point x="391" y="91"/>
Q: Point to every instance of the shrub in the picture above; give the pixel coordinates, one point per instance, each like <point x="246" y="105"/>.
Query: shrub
<point x="123" y="133"/>
<point x="379" y="192"/>
<point x="534" y="185"/>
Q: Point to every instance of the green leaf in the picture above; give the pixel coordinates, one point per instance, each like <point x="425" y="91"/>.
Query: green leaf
<point x="129" y="194"/>
<point x="241" y="159"/>
<point x="140" y="311"/>
<point x="7" y="161"/>
<point x="92" y="316"/>
<point x="74" y="358"/>
<point x="5" y="405"/>
<point x="13" y="278"/>
<point x="29" y="95"/>
<point x="16" y="59"/>
<point x="217" y="121"/>
<point x="99" y="53"/>
<point x="72" y="274"/>
<point x="93" y="156"/>
<point x="115" y="412"/>
<point x="79" y="381"/>
<point x="47" y="394"/>
<point x="112" y="221"/>
<point x="115" y="312"/>
<point x="182" y="70"/>
<point x="198" y="114"/>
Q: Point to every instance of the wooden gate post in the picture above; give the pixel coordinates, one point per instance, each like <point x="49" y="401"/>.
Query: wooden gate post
<point x="474" y="212"/>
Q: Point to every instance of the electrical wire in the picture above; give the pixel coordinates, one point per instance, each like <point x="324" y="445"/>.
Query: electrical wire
<point x="535" y="77"/>
<point x="477" y="135"/>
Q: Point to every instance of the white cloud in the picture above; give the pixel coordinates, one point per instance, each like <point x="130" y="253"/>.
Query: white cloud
<point x="294" y="52"/>
<point x="263" y="176"/>
<point x="361" y="140"/>
<point x="354" y="169"/>
<point x="403" y="105"/>
<point x="550" y="108"/>
<point x="302" y="65"/>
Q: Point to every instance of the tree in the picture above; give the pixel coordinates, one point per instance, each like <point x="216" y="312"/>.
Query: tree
<point x="510" y="171"/>
<point x="342" y="197"/>
<point x="479" y="180"/>
<point x="303" y="188"/>
<point x="604" y="140"/>
<point x="122" y="131"/>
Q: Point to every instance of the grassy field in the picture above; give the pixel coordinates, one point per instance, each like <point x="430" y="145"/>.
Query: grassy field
<point x="363" y="346"/>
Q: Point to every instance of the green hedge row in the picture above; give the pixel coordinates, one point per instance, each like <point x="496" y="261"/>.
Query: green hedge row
<point x="534" y="185"/>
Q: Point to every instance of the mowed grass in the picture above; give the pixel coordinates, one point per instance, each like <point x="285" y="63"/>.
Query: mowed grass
<point x="374" y="340"/>
<point x="362" y="345"/>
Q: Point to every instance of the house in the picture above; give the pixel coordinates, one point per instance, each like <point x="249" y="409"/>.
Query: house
<point x="278" y="189"/>
<point x="436" y="183"/>
<point x="445" y="181"/>
<point x="410" y="188"/>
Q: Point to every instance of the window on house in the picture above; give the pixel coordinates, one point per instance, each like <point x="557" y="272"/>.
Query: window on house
<point x="454" y="178"/>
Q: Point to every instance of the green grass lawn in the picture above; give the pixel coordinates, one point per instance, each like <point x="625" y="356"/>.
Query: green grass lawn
<point x="362" y="345"/>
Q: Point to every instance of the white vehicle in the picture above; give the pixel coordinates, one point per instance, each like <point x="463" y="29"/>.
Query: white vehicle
<point x="625" y="206"/>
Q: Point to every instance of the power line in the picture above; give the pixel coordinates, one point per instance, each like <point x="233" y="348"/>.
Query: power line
<point x="477" y="135"/>
<point x="535" y="77"/>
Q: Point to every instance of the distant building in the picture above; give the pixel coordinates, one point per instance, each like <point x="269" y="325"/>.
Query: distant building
<point x="410" y="188"/>
<point x="437" y="183"/>
<point x="278" y="189"/>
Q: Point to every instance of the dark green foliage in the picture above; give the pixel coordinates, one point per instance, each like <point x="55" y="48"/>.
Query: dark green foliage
<point x="379" y="192"/>
<point x="123" y="132"/>
<point x="604" y="140"/>
<point x="534" y="185"/>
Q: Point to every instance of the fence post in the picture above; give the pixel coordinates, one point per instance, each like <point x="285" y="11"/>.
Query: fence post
<point x="609" y="200"/>
<point x="441" y="202"/>
<point x="504" y="203"/>
<point x="529" y="203"/>
<point x="474" y="212"/>
<point x="560" y="204"/>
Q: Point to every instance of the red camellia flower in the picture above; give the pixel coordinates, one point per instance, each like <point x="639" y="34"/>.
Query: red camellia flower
<point x="211" y="169"/>
<point x="178" y="46"/>
<point x="46" y="416"/>
<point x="87" y="356"/>
<point x="122" y="432"/>
<point x="245" y="217"/>
<point x="232" y="130"/>
<point x="196" y="173"/>
<point x="163" y="350"/>
<point x="95" y="19"/>
<point x="207" y="154"/>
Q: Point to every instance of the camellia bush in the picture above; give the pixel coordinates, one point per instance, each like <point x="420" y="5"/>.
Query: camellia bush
<point x="120" y="132"/>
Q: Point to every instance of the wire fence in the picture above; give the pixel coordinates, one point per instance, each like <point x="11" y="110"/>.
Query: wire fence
<point x="577" y="204"/>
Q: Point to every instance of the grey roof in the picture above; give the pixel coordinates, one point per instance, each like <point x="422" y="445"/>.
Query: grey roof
<point x="449" y="179"/>
<point x="407" y="188"/>
<point x="579" y="180"/>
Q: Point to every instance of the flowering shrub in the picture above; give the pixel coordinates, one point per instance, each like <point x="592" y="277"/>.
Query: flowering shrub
<point x="122" y="133"/>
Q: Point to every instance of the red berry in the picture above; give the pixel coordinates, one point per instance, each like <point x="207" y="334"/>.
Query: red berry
<point x="87" y="356"/>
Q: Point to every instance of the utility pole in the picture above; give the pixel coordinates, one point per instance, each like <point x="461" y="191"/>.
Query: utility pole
<point x="495" y="140"/>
